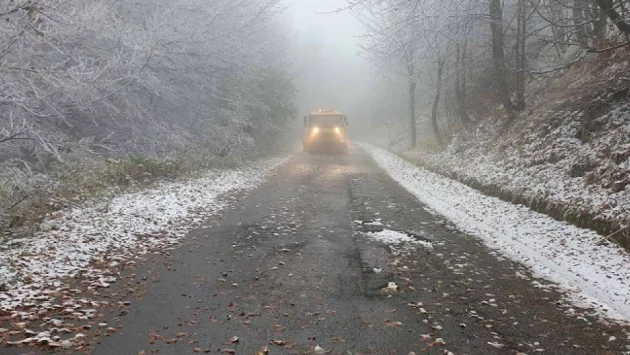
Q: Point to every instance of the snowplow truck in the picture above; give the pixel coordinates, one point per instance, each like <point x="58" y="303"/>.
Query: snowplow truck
<point x="325" y="131"/>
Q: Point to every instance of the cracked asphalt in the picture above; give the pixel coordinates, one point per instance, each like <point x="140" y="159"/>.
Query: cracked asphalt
<point x="288" y="269"/>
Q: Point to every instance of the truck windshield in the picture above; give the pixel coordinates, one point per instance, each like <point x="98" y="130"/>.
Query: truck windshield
<point x="326" y="121"/>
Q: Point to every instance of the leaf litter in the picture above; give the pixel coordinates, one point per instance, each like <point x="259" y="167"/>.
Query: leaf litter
<point x="593" y="276"/>
<point x="93" y="243"/>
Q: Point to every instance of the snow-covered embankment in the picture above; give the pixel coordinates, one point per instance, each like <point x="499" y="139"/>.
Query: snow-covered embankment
<point x="594" y="275"/>
<point x="91" y="243"/>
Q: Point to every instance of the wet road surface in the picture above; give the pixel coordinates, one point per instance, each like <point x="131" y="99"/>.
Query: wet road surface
<point x="288" y="269"/>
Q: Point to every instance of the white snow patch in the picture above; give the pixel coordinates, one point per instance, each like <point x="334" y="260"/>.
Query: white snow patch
<point x="392" y="286"/>
<point x="593" y="275"/>
<point x="88" y="241"/>
<point x="389" y="236"/>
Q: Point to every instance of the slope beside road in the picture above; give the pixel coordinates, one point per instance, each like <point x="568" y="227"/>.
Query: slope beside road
<point x="332" y="255"/>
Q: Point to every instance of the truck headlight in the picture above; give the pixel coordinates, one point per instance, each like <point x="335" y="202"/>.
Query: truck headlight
<point x="315" y="130"/>
<point x="338" y="130"/>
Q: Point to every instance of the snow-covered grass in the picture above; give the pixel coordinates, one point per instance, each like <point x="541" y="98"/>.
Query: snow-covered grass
<point x="570" y="160"/>
<point x="91" y="243"/>
<point x="594" y="275"/>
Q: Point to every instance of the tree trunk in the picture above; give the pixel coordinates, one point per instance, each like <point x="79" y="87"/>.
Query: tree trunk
<point x="610" y="11"/>
<point x="579" y="20"/>
<point x="436" y="102"/>
<point x="460" y="84"/>
<point x="412" y="111"/>
<point x="411" y="76"/>
<point x="498" y="55"/>
<point x="599" y="26"/>
<point x="558" y="26"/>
<point x="447" y="109"/>
<point x="521" y="37"/>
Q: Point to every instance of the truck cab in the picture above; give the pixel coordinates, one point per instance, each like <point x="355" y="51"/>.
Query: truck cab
<point x="325" y="130"/>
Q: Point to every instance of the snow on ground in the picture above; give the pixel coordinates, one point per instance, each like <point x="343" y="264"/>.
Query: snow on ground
<point x="92" y="243"/>
<point x="593" y="275"/>
<point x="389" y="236"/>
<point x="564" y="160"/>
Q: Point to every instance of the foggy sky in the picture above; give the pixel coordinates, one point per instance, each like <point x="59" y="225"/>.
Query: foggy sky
<point x="331" y="73"/>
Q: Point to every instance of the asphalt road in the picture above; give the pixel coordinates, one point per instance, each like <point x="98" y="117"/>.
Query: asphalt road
<point x="287" y="269"/>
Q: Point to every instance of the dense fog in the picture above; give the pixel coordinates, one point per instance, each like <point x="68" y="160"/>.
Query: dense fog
<point x="331" y="70"/>
<point x="88" y="83"/>
<point x="314" y="176"/>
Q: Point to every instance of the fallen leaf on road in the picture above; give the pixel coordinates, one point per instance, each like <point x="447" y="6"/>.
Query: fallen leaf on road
<point x="396" y="324"/>
<point x="340" y="339"/>
<point x="234" y="339"/>
<point x="170" y="341"/>
<point x="228" y="351"/>
<point x="438" y="342"/>
<point x="279" y="342"/>
<point x="181" y="335"/>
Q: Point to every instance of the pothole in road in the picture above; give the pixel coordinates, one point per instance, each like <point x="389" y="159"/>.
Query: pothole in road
<point x="381" y="281"/>
<point x="376" y="230"/>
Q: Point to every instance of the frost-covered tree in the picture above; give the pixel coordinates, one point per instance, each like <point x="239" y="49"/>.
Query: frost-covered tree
<point x="487" y="50"/>
<point x="141" y="74"/>
<point x="413" y="40"/>
<point x="153" y="78"/>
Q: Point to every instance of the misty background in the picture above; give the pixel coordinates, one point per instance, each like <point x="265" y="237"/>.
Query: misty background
<point x="330" y="72"/>
<point x="96" y="93"/>
<point x="332" y="69"/>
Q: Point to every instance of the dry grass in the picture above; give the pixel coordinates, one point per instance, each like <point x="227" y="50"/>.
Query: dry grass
<point x="28" y="197"/>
